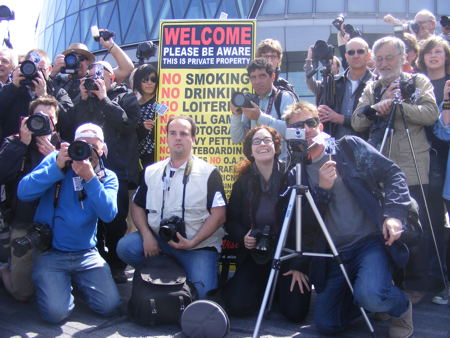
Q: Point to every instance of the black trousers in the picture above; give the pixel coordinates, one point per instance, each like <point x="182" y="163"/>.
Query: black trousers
<point x="244" y="291"/>
<point x="109" y="234"/>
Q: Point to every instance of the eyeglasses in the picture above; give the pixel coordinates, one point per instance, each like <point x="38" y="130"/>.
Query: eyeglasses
<point x="266" y="140"/>
<point x="388" y="58"/>
<point x="311" y="123"/>
<point x="148" y="79"/>
<point x="352" y="52"/>
<point x="270" y="56"/>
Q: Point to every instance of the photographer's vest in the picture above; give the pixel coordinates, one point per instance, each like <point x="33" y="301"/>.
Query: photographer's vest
<point x="165" y="194"/>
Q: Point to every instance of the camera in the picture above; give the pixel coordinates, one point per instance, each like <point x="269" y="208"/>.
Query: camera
<point x="72" y="61"/>
<point x="322" y="52"/>
<point x="39" y="236"/>
<point x="349" y="29"/>
<point x="294" y="134"/>
<point x="337" y="23"/>
<point x="30" y="71"/>
<point x="170" y="226"/>
<point x="97" y="34"/>
<point x="407" y="88"/>
<point x="89" y="83"/>
<point x="79" y="150"/>
<point x="409" y="26"/>
<point x="445" y="21"/>
<point x="263" y="242"/>
<point x="39" y="123"/>
<point x="145" y="50"/>
<point x="241" y="99"/>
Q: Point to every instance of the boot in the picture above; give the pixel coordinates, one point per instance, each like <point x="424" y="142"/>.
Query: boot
<point x="402" y="327"/>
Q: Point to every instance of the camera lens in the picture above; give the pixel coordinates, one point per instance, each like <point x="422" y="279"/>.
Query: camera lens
<point x="36" y="123"/>
<point x="28" y="68"/>
<point x="238" y="99"/>
<point x="79" y="150"/>
<point x="71" y="60"/>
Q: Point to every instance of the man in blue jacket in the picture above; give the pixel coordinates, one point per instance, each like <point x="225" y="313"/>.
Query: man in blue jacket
<point x="364" y="201"/>
<point x="73" y="195"/>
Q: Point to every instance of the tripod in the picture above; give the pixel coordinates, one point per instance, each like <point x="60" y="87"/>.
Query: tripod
<point x="297" y="193"/>
<point x="397" y="104"/>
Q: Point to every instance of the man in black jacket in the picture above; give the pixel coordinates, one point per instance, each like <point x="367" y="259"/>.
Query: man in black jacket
<point x="19" y="155"/>
<point x="114" y="108"/>
<point x="16" y="96"/>
<point x="349" y="87"/>
<point x="364" y="201"/>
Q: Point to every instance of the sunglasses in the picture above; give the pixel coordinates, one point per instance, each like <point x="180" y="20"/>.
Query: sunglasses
<point x="266" y="140"/>
<point x="148" y="79"/>
<point x="311" y="123"/>
<point x="358" y="51"/>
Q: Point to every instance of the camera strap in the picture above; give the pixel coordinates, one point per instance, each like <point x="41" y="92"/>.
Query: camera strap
<point x="272" y="98"/>
<point x="187" y="172"/>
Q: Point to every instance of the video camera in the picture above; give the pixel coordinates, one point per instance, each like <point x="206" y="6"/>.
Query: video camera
<point x="97" y="34"/>
<point x="169" y="227"/>
<point x="39" y="236"/>
<point x="323" y="53"/>
<point x="144" y="51"/>
<point x="40" y="124"/>
<point x="243" y="100"/>
<point x="349" y="29"/>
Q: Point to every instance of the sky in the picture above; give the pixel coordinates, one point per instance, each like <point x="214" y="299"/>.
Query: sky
<point x="22" y="29"/>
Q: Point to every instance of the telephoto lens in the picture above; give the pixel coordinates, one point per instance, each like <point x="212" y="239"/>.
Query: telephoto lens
<point x="79" y="150"/>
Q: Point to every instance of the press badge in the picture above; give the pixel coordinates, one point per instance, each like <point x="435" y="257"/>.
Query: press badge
<point x="77" y="183"/>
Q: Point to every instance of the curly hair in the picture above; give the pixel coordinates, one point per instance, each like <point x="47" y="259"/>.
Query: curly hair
<point x="243" y="166"/>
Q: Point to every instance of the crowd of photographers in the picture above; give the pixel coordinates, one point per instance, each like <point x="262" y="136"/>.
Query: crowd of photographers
<point x="72" y="135"/>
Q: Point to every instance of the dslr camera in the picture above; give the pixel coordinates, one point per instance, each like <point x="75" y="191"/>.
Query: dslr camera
<point x="349" y="29"/>
<point x="97" y="34"/>
<point x="445" y="21"/>
<point x="144" y="51"/>
<point x="40" y="124"/>
<point x="169" y="227"/>
<point x="79" y="150"/>
<point x="29" y="69"/>
<point x="243" y="100"/>
<point x="38" y="236"/>
<point x="72" y="61"/>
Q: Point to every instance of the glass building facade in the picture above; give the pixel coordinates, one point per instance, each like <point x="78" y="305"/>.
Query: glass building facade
<point x="297" y="24"/>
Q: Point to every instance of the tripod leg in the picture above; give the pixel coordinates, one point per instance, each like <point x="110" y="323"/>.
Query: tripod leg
<point x="336" y="254"/>
<point x="276" y="262"/>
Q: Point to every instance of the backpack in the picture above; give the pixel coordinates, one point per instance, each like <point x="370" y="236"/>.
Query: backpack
<point x="160" y="292"/>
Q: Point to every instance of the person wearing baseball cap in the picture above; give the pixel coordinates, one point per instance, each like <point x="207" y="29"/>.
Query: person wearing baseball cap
<point x="114" y="107"/>
<point x="74" y="191"/>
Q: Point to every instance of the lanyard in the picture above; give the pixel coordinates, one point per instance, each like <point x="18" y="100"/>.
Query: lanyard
<point x="187" y="172"/>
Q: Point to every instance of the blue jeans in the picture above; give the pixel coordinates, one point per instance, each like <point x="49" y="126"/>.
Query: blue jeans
<point x="55" y="271"/>
<point x="200" y="265"/>
<point x="369" y="271"/>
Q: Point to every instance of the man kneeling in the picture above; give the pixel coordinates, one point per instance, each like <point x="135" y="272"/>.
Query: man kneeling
<point x="74" y="190"/>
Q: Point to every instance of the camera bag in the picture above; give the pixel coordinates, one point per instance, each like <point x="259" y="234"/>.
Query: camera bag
<point x="160" y="292"/>
<point x="205" y="318"/>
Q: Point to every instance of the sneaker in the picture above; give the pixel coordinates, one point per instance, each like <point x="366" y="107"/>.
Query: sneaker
<point x="119" y="276"/>
<point x="441" y="298"/>
<point x="402" y="327"/>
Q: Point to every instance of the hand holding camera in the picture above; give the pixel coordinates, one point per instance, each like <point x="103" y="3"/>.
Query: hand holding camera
<point x="327" y="175"/>
<point x="58" y="65"/>
<point x="39" y="85"/>
<point x="25" y="134"/>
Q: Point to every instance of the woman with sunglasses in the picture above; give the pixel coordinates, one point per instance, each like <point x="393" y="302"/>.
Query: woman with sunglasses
<point x="254" y="218"/>
<point x="145" y="82"/>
